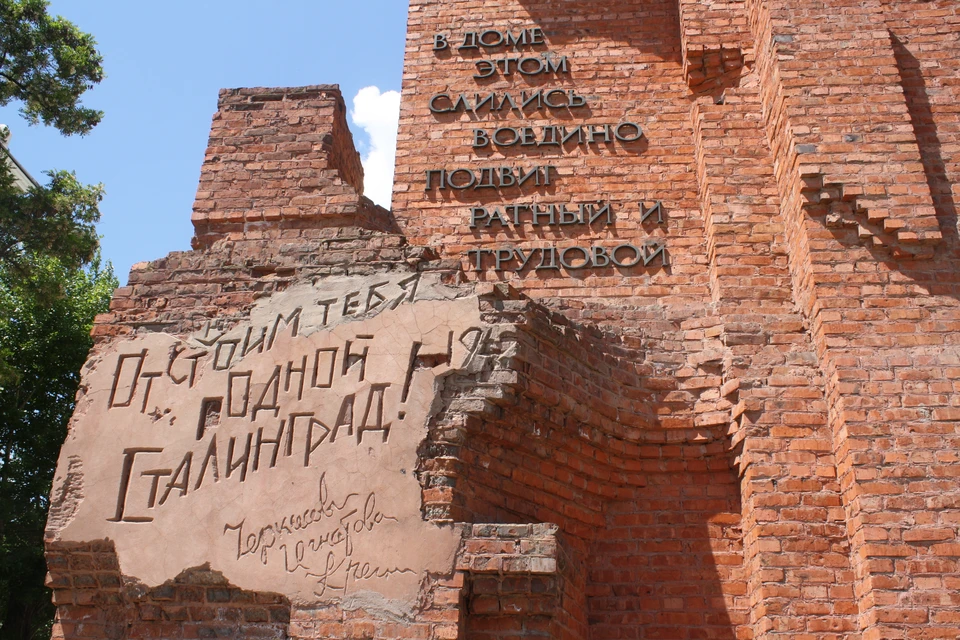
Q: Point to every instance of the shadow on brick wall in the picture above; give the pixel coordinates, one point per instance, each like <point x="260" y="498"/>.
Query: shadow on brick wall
<point x="928" y="139"/>
<point x="654" y="25"/>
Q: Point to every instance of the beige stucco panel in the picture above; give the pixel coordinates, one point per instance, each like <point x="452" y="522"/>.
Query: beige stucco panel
<point x="329" y="512"/>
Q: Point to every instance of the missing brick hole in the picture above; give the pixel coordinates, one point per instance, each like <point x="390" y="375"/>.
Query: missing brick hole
<point x="210" y="410"/>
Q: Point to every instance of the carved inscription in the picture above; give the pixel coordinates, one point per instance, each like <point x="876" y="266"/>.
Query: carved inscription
<point x="318" y="541"/>
<point x="218" y="441"/>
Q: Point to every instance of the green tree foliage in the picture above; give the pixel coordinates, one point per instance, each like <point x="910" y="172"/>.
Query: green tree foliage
<point x="46" y="343"/>
<point x="46" y="63"/>
<point x="48" y="299"/>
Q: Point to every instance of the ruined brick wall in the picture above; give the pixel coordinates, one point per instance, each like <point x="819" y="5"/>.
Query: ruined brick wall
<point x="732" y="416"/>
<point x="281" y="156"/>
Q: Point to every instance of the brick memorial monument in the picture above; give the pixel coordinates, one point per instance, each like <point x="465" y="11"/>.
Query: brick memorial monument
<point x="660" y="340"/>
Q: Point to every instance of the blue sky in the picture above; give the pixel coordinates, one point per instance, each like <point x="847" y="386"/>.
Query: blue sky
<point x="166" y="61"/>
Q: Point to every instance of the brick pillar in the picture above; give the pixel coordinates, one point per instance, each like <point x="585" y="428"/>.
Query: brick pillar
<point x="789" y="492"/>
<point x="715" y="36"/>
<point x="840" y="130"/>
<point x="838" y="118"/>
<point x="281" y="159"/>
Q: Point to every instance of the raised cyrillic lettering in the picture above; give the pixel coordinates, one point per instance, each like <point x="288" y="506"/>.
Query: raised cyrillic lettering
<point x="486" y="179"/>
<point x="478" y="263"/>
<point x="544" y="264"/>
<point x="596" y="213"/>
<point x="480" y="139"/>
<point x="440" y="173"/>
<point x="628" y="132"/>
<point x="537" y="97"/>
<point x="469" y="41"/>
<point x="453" y="183"/>
<point x="497" y="216"/>
<point x="653" y="248"/>
<point x="490" y="100"/>
<point x="601" y="130"/>
<point x="435" y="106"/>
<point x="477" y="214"/>
<point x="500" y="256"/>
<point x="507" y="178"/>
<point x="538" y="213"/>
<point x="507" y="65"/>
<point x="440" y="42"/>
<point x="485" y="69"/>
<point x="600" y="257"/>
<point x="568" y="135"/>
<point x="523" y="258"/>
<point x="555" y="64"/>
<point x="657" y="209"/>
<point x="638" y="256"/>
<point x="531" y="66"/>
<point x="533" y="173"/>
<point x="510" y="141"/>
<point x="550" y="135"/>
<point x="566" y="217"/>
<point x="491" y="42"/>
<point x="569" y="264"/>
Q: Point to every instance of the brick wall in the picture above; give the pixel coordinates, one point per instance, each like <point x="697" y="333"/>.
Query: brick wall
<point x="755" y="440"/>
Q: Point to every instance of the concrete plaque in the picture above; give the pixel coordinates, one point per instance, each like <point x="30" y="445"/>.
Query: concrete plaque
<point x="282" y="452"/>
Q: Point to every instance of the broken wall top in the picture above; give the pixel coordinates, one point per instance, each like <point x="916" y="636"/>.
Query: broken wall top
<point x="281" y="158"/>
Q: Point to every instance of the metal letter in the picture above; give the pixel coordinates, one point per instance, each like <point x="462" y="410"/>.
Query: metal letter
<point x="538" y="96"/>
<point x="430" y="173"/>
<point x="496" y="43"/>
<point x="550" y="135"/>
<point x="552" y="252"/>
<point x="566" y="217"/>
<point x="655" y="209"/>
<point x="510" y="143"/>
<point x="538" y="212"/>
<point x="625" y="138"/>
<point x="652" y="248"/>
<point x="477" y="213"/>
<point x="496" y="216"/>
<point x="507" y="179"/>
<point x="540" y="65"/>
<point x="600" y="257"/>
<point x="603" y="129"/>
<point x="469" y="41"/>
<point x="507" y="98"/>
<point x="534" y="173"/>
<point x="489" y="101"/>
<point x="586" y="258"/>
<point x="433" y="103"/>
<point x="485" y="69"/>
<point x="625" y="265"/>
<point x="480" y="139"/>
<point x="473" y="179"/>
<point x="440" y="42"/>
<point x="568" y="135"/>
<point x="486" y="179"/>
<point x="605" y="209"/>
<point x="501" y="256"/>
<point x="561" y="105"/>
<point x="524" y="259"/>
<point x="556" y="65"/>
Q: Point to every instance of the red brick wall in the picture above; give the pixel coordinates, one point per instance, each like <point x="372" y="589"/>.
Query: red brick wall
<point x="757" y="440"/>
<point x="277" y="158"/>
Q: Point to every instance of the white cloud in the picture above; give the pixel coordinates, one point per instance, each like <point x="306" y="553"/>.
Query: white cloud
<point x="379" y="116"/>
